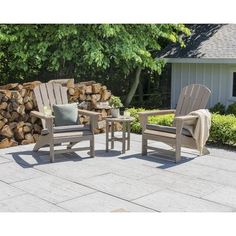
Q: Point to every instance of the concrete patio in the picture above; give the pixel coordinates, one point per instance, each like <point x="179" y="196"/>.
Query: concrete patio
<point x="112" y="182"/>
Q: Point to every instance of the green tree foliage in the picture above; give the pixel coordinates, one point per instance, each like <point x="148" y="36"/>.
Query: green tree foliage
<point x="29" y="51"/>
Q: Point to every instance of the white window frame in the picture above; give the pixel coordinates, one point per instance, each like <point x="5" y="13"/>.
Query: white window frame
<point x="232" y="98"/>
<point x="232" y="79"/>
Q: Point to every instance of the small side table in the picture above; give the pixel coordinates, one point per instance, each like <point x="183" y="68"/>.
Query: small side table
<point x="125" y="132"/>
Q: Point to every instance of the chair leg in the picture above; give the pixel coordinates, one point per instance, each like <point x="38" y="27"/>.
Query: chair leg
<point x="177" y="153"/>
<point x="92" y="152"/>
<point x="69" y="146"/>
<point x="52" y="152"/>
<point x="144" y="146"/>
<point x="205" y="151"/>
<point x="36" y="147"/>
<point x="40" y="143"/>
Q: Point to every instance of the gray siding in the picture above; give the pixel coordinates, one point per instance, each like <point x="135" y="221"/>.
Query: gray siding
<point x="217" y="77"/>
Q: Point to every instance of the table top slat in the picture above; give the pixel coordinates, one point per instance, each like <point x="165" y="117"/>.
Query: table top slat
<point x="119" y="119"/>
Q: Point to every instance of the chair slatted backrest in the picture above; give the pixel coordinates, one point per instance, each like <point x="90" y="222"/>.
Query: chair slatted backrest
<point x="49" y="94"/>
<point x="192" y="97"/>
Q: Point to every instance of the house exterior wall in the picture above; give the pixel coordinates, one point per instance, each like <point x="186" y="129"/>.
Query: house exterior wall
<point x="217" y="77"/>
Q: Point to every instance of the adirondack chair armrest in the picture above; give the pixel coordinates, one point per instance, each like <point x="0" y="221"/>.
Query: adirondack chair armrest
<point x="48" y="120"/>
<point x="143" y="116"/>
<point x="156" y="113"/>
<point x="188" y="119"/>
<point x="41" y="115"/>
<point x="88" y="113"/>
<point x="93" y="117"/>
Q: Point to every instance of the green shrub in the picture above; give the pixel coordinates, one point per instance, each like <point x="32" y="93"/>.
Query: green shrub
<point x="231" y="109"/>
<point x="218" y="108"/>
<point x="161" y="120"/>
<point x="135" y="125"/>
<point x="166" y="120"/>
<point x="223" y="127"/>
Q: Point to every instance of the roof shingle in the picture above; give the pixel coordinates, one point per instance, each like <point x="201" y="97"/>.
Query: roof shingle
<point x="206" y="41"/>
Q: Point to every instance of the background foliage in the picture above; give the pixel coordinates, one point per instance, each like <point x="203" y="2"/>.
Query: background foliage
<point x="110" y="54"/>
<point x="222" y="110"/>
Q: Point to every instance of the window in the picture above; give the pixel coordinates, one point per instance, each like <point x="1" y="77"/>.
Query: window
<point x="234" y="85"/>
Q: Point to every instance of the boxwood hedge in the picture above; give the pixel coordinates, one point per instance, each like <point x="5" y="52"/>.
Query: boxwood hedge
<point x="223" y="127"/>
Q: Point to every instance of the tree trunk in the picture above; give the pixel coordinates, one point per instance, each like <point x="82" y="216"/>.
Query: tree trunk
<point x="140" y="93"/>
<point x="133" y="87"/>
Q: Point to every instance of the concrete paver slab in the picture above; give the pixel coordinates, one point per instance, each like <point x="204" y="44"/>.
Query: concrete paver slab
<point x="170" y="201"/>
<point x="53" y="189"/>
<point x="28" y="203"/>
<point x="100" y="202"/>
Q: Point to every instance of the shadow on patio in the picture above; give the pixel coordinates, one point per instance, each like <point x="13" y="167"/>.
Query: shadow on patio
<point x="29" y="159"/>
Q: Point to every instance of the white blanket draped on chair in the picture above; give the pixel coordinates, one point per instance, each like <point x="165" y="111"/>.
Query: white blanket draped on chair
<point x="201" y="130"/>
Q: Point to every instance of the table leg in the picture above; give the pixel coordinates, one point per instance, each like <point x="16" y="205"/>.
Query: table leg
<point x="112" y="135"/>
<point x="123" y="136"/>
<point x="107" y="136"/>
<point x="128" y="136"/>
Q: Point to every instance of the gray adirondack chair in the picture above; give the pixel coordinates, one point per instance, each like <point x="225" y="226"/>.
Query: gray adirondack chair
<point x="192" y="97"/>
<point x="53" y="93"/>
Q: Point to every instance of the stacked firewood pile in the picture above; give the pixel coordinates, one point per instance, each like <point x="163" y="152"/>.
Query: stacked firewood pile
<point x="17" y="100"/>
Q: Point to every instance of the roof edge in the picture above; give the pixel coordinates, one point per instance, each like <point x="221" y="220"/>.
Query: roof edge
<point x="201" y="60"/>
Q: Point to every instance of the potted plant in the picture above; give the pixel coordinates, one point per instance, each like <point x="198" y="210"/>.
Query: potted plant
<point x="115" y="104"/>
